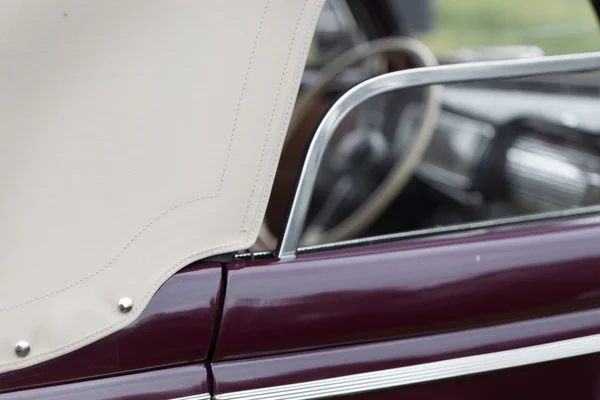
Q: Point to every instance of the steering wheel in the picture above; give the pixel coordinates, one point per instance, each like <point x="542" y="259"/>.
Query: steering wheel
<point x="391" y="186"/>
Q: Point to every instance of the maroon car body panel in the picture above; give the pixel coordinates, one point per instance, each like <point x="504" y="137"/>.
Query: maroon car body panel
<point x="155" y="385"/>
<point x="231" y="376"/>
<point x="416" y="287"/>
<point x="175" y="328"/>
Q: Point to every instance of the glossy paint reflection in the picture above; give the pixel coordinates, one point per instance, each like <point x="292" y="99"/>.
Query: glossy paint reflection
<point x="176" y="327"/>
<point x="157" y="385"/>
<point x="410" y="288"/>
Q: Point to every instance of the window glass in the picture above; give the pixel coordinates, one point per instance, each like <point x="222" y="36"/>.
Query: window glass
<point x="498" y="150"/>
<point x="490" y="151"/>
<point x="336" y="32"/>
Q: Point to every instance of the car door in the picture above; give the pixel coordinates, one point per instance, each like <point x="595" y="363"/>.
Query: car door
<point x="496" y="313"/>
<point x="493" y="309"/>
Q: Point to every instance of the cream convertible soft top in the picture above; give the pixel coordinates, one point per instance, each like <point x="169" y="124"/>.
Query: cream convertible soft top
<point x="135" y="137"/>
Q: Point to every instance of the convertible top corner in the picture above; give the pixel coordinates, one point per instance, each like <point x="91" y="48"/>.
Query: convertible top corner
<point x="136" y="137"/>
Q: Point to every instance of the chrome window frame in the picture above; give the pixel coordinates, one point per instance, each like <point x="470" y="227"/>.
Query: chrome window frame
<point x="288" y="246"/>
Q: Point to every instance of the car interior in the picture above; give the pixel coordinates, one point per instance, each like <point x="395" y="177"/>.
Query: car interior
<point x="434" y="157"/>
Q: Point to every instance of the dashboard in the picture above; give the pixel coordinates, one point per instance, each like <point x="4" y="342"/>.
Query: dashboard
<point x="498" y="106"/>
<point x="523" y="151"/>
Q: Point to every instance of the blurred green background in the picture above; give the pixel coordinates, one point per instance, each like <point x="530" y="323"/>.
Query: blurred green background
<point x="557" y="26"/>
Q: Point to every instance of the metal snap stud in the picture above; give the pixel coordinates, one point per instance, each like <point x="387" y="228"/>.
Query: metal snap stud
<point x="22" y="349"/>
<point x="125" y="305"/>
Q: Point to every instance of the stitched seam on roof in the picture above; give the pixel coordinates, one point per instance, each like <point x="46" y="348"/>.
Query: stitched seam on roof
<point x="271" y="119"/>
<point x="145" y="228"/>
<point x="300" y="64"/>
<point x="133" y="314"/>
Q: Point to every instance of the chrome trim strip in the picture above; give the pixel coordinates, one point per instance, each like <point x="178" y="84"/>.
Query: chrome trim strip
<point x="589" y="211"/>
<point x="391" y="378"/>
<point x="253" y="255"/>
<point x="521" y="220"/>
<point x="402" y="80"/>
<point x="205" y="396"/>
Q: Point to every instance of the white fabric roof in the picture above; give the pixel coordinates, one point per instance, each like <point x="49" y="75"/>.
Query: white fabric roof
<point x="135" y="138"/>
